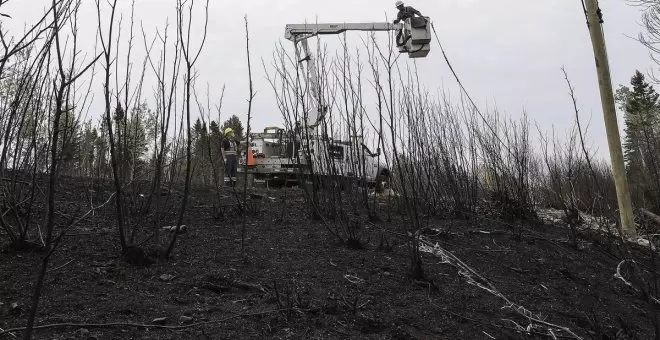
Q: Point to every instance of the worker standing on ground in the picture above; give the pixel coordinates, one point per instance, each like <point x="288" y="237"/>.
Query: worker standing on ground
<point x="230" y="155"/>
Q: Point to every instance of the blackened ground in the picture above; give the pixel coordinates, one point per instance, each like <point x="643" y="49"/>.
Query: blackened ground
<point x="324" y="289"/>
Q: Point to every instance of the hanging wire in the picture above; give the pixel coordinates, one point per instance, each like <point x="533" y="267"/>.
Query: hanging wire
<point x="465" y="92"/>
<point x="586" y="15"/>
<point x="599" y="12"/>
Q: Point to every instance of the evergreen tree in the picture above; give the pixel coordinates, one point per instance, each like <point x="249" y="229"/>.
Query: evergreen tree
<point x="70" y="142"/>
<point x="200" y="151"/>
<point x="88" y="150"/>
<point x="235" y="124"/>
<point x="640" y="107"/>
<point x="215" y="136"/>
<point x="136" y="138"/>
<point x="102" y="147"/>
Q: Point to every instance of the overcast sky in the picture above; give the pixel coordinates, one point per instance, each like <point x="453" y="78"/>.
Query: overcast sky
<point x="509" y="53"/>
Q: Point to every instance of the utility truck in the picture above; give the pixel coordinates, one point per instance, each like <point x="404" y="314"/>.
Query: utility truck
<point x="305" y="151"/>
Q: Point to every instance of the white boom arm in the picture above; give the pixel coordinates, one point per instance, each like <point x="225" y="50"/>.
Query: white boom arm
<point x="318" y="107"/>
<point x="297" y="32"/>
<point x="415" y="41"/>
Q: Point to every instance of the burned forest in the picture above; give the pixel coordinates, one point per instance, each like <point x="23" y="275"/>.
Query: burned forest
<point x="363" y="202"/>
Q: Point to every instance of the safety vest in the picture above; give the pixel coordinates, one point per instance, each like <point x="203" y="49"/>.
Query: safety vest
<point x="232" y="147"/>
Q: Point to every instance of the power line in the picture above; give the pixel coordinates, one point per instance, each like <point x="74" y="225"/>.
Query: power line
<point x="465" y="92"/>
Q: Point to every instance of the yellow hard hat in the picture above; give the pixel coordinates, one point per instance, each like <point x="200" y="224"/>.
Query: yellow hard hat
<point x="228" y="130"/>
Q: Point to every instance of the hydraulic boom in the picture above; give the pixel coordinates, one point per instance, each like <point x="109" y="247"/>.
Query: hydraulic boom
<point x="413" y="38"/>
<point x="297" y="32"/>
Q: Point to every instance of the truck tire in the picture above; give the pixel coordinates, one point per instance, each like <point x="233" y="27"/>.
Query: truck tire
<point x="382" y="179"/>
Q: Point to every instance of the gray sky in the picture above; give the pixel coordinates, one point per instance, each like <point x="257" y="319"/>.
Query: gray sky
<point x="508" y="52"/>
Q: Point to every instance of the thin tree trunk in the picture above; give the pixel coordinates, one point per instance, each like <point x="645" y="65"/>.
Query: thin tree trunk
<point x="247" y="135"/>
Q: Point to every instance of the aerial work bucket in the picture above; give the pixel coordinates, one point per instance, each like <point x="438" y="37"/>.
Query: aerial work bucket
<point x="415" y="37"/>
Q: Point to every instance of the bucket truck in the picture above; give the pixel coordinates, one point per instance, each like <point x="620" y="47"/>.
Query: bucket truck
<point x="281" y="155"/>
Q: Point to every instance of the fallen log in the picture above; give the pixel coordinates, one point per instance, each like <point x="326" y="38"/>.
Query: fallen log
<point x="653" y="217"/>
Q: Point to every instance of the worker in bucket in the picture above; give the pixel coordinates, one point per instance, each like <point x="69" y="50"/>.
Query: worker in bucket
<point x="405" y="12"/>
<point x="230" y="155"/>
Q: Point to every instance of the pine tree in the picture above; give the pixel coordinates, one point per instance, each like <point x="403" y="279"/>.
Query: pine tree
<point x="88" y="150"/>
<point x="102" y="147"/>
<point x="215" y="136"/>
<point x="70" y="142"/>
<point x="136" y="135"/>
<point x="200" y="151"/>
<point x="235" y="124"/>
<point x="641" y="117"/>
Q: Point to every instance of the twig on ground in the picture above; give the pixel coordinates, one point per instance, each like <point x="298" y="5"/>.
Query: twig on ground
<point x="60" y="267"/>
<point x="41" y="236"/>
<point x="485" y="323"/>
<point x="137" y="325"/>
<point x="364" y="304"/>
<point x="619" y="276"/>
<point x="340" y="332"/>
<point x="517" y="327"/>
<point x="353" y="279"/>
<point x="15" y="181"/>
<point x="89" y="234"/>
<point x="501" y="250"/>
<point x="7" y="332"/>
<point x="479" y="281"/>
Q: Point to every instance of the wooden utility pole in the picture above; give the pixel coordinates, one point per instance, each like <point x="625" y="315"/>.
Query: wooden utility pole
<point x="609" y="113"/>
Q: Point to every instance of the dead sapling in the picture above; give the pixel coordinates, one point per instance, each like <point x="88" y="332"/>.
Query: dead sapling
<point x="284" y="303"/>
<point x="291" y="301"/>
<point x="355" y="304"/>
<point x="385" y="245"/>
<point x="356" y="237"/>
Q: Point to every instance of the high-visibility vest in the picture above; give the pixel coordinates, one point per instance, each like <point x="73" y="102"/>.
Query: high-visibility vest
<point x="232" y="147"/>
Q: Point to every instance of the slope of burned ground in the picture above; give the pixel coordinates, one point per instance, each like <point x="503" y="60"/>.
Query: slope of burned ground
<point x="297" y="282"/>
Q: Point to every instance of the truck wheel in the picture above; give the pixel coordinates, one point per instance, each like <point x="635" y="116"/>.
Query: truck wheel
<point x="382" y="180"/>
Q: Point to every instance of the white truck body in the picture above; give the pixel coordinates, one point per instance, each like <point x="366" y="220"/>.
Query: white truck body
<point x="277" y="157"/>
